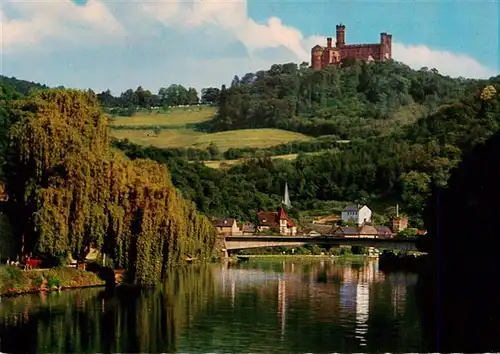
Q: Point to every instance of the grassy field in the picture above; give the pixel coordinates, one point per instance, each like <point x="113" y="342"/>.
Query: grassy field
<point x="183" y="137"/>
<point x="175" y="131"/>
<point x="173" y="117"/>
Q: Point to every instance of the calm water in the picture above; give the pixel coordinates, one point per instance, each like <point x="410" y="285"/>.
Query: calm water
<point x="268" y="307"/>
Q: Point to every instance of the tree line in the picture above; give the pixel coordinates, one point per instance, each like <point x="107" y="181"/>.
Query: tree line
<point x="357" y="100"/>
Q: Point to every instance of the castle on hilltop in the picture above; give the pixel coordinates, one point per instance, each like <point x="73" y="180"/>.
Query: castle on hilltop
<point x="323" y="56"/>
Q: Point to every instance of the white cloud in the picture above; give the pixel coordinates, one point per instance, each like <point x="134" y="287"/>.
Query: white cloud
<point x="199" y="43"/>
<point x="447" y="63"/>
<point x="37" y="21"/>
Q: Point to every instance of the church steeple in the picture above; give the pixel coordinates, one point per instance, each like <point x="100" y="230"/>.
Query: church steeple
<point x="286" y="198"/>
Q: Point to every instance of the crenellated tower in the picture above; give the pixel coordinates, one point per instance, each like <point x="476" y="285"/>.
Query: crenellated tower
<point x="340" y="36"/>
<point x="317" y="57"/>
<point x="386" y="45"/>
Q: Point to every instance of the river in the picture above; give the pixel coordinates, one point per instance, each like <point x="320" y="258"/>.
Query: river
<point x="292" y="306"/>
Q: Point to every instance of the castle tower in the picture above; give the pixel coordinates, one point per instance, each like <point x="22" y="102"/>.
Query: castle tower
<point x="317" y="57"/>
<point x="386" y="46"/>
<point x="340" y="35"/>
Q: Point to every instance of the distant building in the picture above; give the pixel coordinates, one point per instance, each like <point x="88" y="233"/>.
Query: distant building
<point x="399" y="223"/>
<point x="384" y="231"/>
<point x="346" y="231"/>
<point x="322" y="229"/>
<point x="227" y="227"/>
<point x="368" y="231"/>
<point x="321" y="56"/>
<point x="358" y="213"/>
<point x="247" y="229"/>
<point x="365" y="231"/>
<point x="270" y="220"/>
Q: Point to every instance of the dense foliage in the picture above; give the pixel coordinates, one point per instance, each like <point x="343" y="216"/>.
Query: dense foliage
<point x="130" y="100"/>
<point x="357" y="100"/>
<point x="70" y="191"/>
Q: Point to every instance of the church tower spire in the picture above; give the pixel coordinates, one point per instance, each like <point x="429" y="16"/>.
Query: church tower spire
<point x="286" y="198"/>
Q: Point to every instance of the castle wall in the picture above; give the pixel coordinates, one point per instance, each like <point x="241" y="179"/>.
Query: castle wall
<point x="361" y="52"/>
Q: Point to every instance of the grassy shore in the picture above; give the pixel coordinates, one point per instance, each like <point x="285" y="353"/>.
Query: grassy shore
<point x="14" y="281"/>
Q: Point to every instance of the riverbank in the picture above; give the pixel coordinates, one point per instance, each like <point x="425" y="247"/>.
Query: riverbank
<point x="389" y="261"/>
<point x="14" y="281"/>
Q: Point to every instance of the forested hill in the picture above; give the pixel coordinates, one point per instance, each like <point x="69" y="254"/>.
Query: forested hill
<point x="397" y="167"/>
<point x="407" y="128"/>
<point x="356" y="100"/>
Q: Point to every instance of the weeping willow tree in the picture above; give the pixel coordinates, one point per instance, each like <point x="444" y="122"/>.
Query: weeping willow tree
<point x="72" y="191"/>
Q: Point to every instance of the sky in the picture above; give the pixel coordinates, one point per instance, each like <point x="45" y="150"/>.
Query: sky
<point x="123" y="44"/>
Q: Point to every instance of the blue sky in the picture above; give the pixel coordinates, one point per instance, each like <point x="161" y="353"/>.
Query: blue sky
<point x="201" y="43"/>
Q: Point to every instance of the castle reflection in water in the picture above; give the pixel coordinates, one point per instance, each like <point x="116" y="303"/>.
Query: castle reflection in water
<point x="349" y="289"/>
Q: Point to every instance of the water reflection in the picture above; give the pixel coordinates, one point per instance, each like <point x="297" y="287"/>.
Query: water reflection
<point x="278" y="307"/>
<point x="328" y="305"/>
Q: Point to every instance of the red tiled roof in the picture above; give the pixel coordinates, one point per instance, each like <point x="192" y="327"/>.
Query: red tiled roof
<point x="283" y="216"/>
<point x="272" y="218"/>
<point x="224" y="222"/>
<point x="268" y="218"/>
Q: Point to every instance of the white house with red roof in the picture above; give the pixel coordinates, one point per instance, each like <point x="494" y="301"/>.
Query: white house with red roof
<point x="276" y="221"/>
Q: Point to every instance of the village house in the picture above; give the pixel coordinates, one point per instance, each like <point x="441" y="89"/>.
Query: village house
<point x="399" y="223"/>
<point x="365" y="231"/>
<point x="227" y="227"/>
<point x="322" y="229"/>
<point x="247" y="229"/>
<point x="384" y="231"/>
<point x="346" y="231"/>
<point x="360" y="214"/>
<point x="276" y="221"/>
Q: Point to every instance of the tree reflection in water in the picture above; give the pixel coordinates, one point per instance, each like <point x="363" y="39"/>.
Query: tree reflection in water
<point x="90" y="320"/>
<point x="278" y="307"/>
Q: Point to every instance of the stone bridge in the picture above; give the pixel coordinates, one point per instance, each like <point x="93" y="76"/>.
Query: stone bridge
<point x="234" y="243"/>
